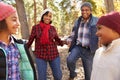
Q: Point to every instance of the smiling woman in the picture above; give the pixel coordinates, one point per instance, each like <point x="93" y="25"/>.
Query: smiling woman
<point x="83" y="42"/>
<point x="46" y="42"/>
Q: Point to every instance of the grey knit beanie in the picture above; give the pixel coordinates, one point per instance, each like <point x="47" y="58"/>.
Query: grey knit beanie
<point x="87" y="4"/>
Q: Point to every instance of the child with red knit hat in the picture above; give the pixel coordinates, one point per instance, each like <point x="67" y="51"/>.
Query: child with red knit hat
<point x="106" y="63"/>
<point x="16" y="62"/>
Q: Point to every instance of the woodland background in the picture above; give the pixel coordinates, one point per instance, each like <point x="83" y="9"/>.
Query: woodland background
<point x="65" y="13"/>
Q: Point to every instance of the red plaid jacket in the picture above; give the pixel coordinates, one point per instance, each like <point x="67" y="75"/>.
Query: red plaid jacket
<point x="45" y="51"/>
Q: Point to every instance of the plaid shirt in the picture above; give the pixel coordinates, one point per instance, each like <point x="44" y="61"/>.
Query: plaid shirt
<point x="12" y="60"/>
<point x="83" y="33"/>
<point x="45" y="51"/>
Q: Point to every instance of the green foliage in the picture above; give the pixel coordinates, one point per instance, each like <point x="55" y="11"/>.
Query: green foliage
<point x="9" y="1"/>
<point x="65" y="12"/>
<point x="68" y="16"/>
<point x="29" y="6"/>
<point x="12" y="2"/>
<point x="117" y="5"/>
<point x="56" y="18"/>
<point x="100" y="8"/>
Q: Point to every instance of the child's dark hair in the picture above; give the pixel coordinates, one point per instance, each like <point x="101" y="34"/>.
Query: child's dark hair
<point x="3" y="25"/>
<point x="43" y="15"/>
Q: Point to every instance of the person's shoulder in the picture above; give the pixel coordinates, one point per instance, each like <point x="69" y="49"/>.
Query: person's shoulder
<point x="20" y="41"/>
<point x="99" y="51"/>
<point x="94" y="17"/>
<point x="35" y="25"/>
<point x="78" y="20"/>
<point x="100" y="48"/>
<point x="52" y="26"/>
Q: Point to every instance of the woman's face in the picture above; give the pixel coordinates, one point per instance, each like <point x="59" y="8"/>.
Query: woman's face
<point x="85" y="11"/>
<point x="47" y="18"/>
<point x="106" y="35"/>
<point x="12" y="23"/>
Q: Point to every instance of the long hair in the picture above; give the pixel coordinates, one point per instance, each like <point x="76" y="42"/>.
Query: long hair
<point x="3" y="25"/>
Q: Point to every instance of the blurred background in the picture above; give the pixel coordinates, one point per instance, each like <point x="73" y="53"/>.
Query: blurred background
<point x="65" y="13"/>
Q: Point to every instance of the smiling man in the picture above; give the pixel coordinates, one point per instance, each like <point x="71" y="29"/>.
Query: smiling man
<point x="83" y="41"/>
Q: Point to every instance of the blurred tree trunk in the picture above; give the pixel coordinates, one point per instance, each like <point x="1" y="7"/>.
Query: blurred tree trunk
<point x="109" y="5"/>
<point x="44" y="4"/>
<point x="34" y="12"/>
<point x="23" y="19"/>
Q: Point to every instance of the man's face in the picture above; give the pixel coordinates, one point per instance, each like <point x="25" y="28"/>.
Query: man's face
<point x="85" y="11"/>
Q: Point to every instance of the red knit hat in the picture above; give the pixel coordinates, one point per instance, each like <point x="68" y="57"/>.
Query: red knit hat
<point x="5" y="10"/>
<point x="111" y="20"/>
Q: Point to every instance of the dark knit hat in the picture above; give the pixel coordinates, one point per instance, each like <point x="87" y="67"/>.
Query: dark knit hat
<point x="111" y="20"/>
<point x="87" y="4"/>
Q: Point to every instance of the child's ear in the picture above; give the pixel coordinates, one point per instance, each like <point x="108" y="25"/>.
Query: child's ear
<point x="116" y="34"/>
